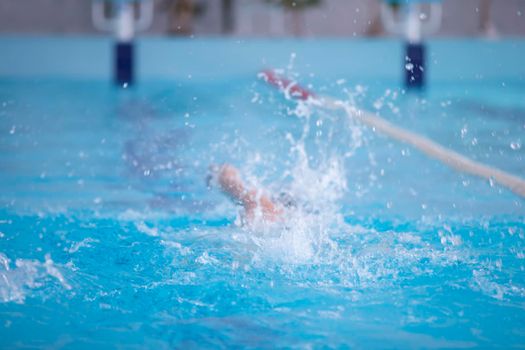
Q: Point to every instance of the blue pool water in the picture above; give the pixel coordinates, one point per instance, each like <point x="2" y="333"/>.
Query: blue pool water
<point x="109" y="235"/>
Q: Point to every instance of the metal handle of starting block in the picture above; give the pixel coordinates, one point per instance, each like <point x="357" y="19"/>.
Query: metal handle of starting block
<point x="410" y="25"/>
<point x="126" y="18"/>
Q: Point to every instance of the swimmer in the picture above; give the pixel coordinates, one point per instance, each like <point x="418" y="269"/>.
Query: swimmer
<point x="256" y="204"/>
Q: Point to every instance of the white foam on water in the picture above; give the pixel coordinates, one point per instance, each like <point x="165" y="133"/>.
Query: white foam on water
<point x="150" y="231"/>
<point x="26" y="274"/>
<point x="85" y="243"/>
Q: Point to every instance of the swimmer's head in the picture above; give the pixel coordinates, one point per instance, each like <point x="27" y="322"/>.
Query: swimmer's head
<point x="287" y="200"/>
<point x="211" y="178"/>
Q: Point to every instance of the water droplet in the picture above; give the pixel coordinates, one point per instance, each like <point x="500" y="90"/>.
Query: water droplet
<point x="409" y="66"/>
<point x="464" y="131"/>
<point x="378" y="104"/>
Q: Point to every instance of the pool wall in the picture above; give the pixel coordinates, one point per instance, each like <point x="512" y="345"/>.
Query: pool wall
<point x="81" y="57"/>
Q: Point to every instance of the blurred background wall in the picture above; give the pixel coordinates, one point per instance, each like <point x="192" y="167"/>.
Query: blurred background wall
<point x="264" y="17"/>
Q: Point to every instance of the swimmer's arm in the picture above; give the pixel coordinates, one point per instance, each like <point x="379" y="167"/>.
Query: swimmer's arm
<point x="269" y="210"/>
<point x="231" y="183"/>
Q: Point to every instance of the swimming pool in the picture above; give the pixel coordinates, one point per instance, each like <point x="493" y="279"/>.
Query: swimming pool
<point x="109" y="235"/>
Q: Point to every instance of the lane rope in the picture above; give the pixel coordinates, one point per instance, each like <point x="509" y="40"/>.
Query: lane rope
<point x="431" y="148"/>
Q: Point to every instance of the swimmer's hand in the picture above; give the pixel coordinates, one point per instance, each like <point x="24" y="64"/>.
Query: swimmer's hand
<point x="255" y="202"/>
<point x="228" y="179"/>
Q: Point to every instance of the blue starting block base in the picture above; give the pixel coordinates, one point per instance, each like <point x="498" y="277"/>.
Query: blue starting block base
<point x="415" y="66"/>
<point x="124" y="65"/>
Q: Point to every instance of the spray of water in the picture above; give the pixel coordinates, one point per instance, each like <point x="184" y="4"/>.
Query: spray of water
<point x="312" y="172"/>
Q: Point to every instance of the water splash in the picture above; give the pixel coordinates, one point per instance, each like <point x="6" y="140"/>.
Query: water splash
<point x="312" y="171"/>
<point x="26" y="274"/>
